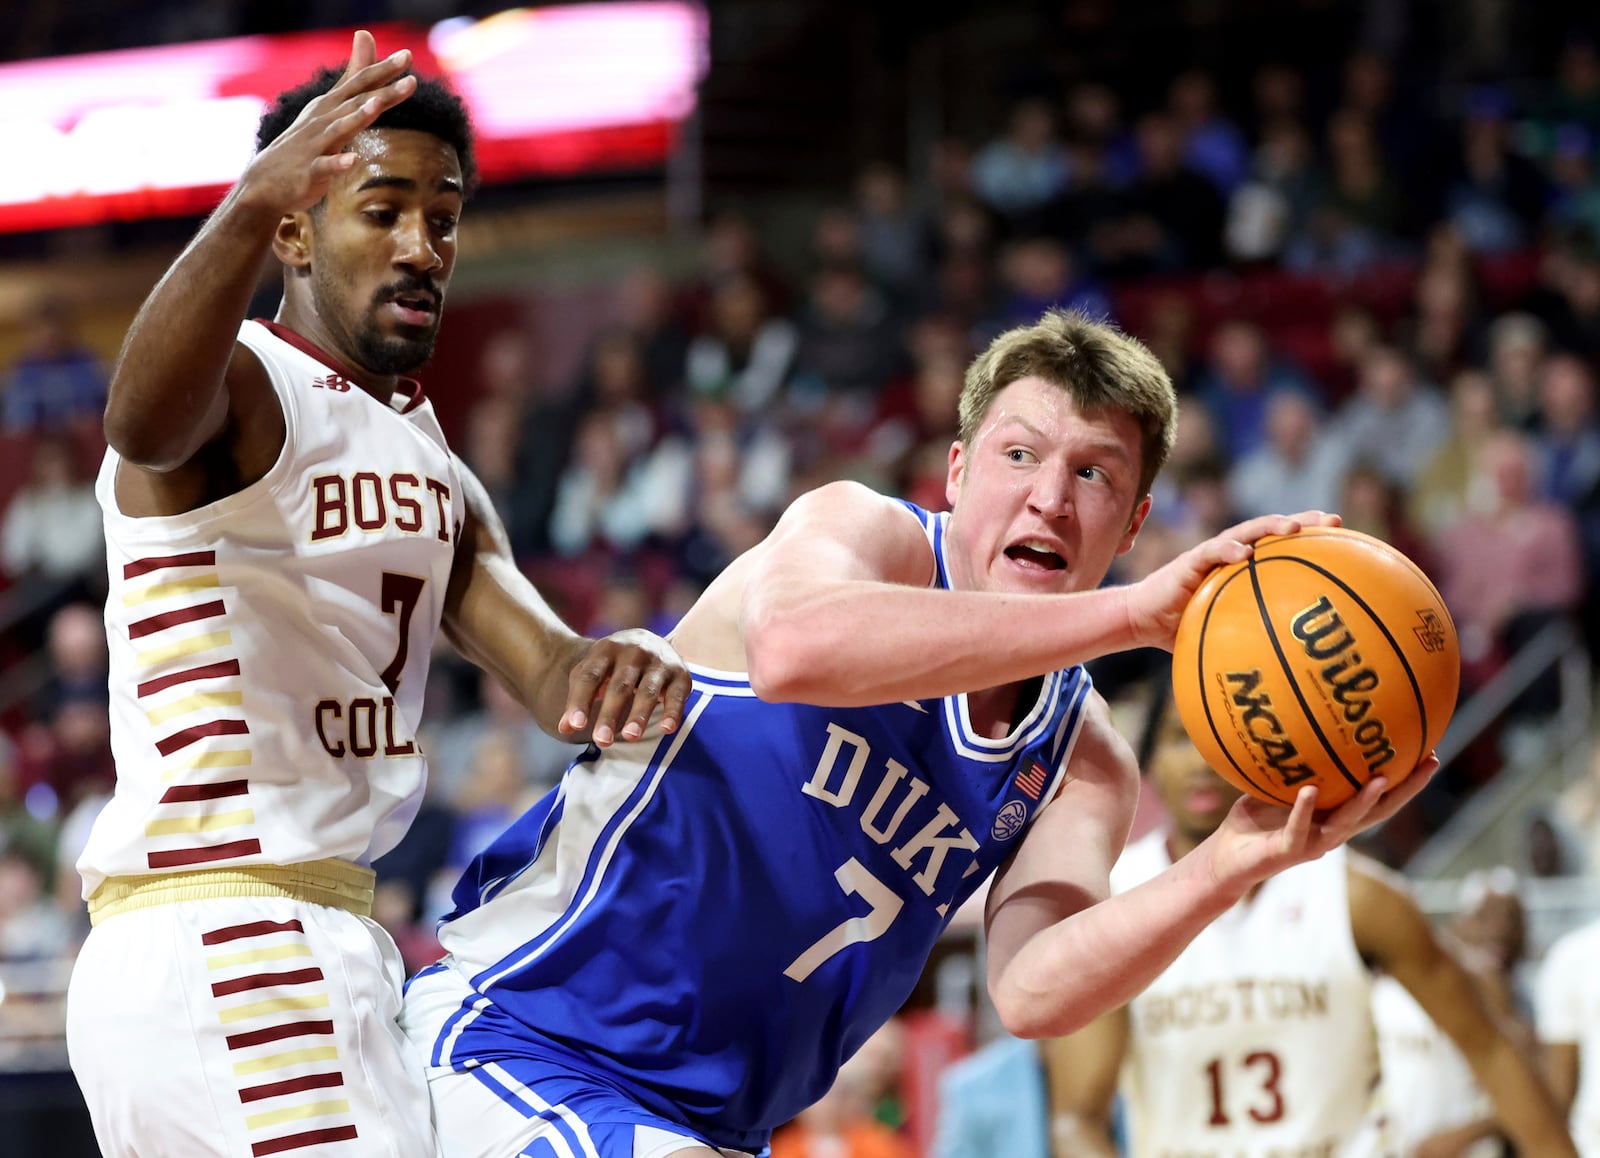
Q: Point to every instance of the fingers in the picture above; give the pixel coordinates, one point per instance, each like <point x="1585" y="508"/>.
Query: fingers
<point x="363" y="51"/>
<point x="622" y="685"/>
<point x="365" y="107"/>
<point x="1396" y="798"/>
<point x="1297" y="828"/>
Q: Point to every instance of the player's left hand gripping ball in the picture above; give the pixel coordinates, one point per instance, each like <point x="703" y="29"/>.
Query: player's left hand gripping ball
<point x="622" y="679"/>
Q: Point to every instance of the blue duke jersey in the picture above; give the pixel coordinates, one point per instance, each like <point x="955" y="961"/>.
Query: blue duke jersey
<point x="712" y="923"/>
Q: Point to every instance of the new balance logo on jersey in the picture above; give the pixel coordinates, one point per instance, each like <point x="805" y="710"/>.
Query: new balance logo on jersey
<point x="335" y="382"/>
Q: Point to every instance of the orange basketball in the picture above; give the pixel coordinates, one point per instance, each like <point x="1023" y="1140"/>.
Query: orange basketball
<point x="1325" y="658"/>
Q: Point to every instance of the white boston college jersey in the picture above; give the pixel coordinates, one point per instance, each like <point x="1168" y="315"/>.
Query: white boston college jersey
<point x="269" y="650"/>
<point x="1257" y="1041"/>
<point x="1569" y="1014"/>
<point x="1427" y="1085"/>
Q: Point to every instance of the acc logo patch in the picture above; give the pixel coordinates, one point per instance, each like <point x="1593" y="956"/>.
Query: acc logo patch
<point x="1010" y="820"/>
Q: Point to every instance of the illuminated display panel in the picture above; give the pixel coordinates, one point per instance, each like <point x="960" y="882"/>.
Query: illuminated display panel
<point x="584" y="88"/>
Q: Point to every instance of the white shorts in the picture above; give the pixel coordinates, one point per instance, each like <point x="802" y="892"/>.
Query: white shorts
<point x="245" y="1027"/>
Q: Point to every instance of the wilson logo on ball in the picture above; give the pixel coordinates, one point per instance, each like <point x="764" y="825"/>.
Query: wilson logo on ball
<point x="1322" y="632"/>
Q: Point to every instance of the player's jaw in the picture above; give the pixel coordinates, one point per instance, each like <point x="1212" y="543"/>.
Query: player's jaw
<point x="401" y="326"/>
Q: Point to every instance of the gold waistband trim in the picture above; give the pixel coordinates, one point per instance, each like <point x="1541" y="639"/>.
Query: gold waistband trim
<point x="335" y="883"/>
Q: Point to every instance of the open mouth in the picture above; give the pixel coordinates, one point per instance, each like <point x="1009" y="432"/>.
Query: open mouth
<point x="414" y="309"/>
<point x="1035" y="556"/>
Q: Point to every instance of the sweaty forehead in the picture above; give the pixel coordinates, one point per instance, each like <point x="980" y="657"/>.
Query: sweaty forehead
<point x="402" y="158"/>
<point x="1049" y="410"/>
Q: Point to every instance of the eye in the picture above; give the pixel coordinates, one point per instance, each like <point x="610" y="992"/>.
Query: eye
<point x="1091" y="472"/>
<point x="445" y="223"/>
<point x="1019" y="454"/>
<point x="381" y="215"/>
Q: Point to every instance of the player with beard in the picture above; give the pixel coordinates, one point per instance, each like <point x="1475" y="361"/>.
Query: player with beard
<point x="287" y="532"/>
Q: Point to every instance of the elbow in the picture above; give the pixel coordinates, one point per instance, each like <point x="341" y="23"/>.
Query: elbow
<point x="780" y="655"/>
<point x="1033" y="1017"/>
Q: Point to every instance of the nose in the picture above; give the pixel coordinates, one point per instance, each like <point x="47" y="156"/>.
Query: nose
<point x="1050" y="496"/>
<point x="414" y="248"/>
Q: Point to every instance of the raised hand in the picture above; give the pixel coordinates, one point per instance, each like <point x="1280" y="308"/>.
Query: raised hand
<point x="1156" y="602"/>
<point x="1257" y="839"/>
<point x="294" y="171"/>
<point x="620" y="680"/>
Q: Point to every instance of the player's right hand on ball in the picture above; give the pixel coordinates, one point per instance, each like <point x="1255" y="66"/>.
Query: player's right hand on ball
<point x="1156" y="602"/>
<point x="294" y="171"/>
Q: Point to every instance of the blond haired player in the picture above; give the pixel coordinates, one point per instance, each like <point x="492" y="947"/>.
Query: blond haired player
<point x="889" y="707"/>
<point x="1257" y="1040"/>
<point x="287" y="532"/>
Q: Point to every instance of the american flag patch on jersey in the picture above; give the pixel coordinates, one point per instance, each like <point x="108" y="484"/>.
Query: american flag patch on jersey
<point x="1032" y="781"/>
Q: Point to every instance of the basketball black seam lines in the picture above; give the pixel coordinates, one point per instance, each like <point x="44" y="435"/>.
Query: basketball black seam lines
<point x="1405" y="664"/>
<point x="1399" y="556"/>
<point x="1205" y="698"/>
<point x="1288" y="672"/>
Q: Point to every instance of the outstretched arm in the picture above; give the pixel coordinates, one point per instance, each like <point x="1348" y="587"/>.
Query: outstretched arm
<point x="1390" y="930"/>
<point x="177" y="381"/>
<point x="576" y="688"/>
<point x="1061" y="953"/>
<point x="835" y="608"/>
<point x="1081" y="1074"/>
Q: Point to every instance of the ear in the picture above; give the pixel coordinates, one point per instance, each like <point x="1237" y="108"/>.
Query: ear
<point x="1140" y="514"/>
<point x="292" y="241"/>
<point x="958" y="466"/>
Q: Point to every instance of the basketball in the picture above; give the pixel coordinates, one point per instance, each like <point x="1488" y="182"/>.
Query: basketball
<point x="1326" y="658"/>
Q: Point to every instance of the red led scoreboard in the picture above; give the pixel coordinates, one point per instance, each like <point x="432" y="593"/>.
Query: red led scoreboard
<point x="582" y="88"/>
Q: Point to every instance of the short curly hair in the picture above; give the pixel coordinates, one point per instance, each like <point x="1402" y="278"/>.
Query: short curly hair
<point x="431" y="108"/>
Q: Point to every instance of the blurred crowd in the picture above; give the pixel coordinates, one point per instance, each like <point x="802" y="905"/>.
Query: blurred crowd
<point x="1370" y="304"/>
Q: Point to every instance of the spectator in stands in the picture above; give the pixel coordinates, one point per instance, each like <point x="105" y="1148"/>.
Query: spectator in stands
<point x="1566" y="433"/>
<point x="1575" y="197"/>
<point x="453" y="745"/>
<point x="848" y="347"/>
<point x="893" y="248"/>
<point x="732" y="251"/>
<point x="51" y="542"/>
<point x="1213" y="146"/>
<point x="1168" y="329"/>
<point x="1095" y="127"/>
<point x="1574" y="99"/>
<point x="1356" y="216"/>
<point x="492" y="796"/>
<point x="1442" y="492"/>
<point x="1395" y="420"/>
<point x="995" y="1102"/>
<point x="747" y="354"/>
<point x="1274" y="203"/>
<point x="1516" y="350"/>
<point x="1506" y="570"/>
<point x="1239" y="380"/>
<point x="32" y="925"/>
<point x="644" y="309"/>
<point x="1368" y="88"/>
<point x="1441" y="335"/>
<point x="1352" y="335"/>
<point x="75" y="642"/>
<point x="1026" y="169"/>
<point x="1297" y="463"/>
<point x="1171" y="218"/>
<point x="21" y="833"/>
<point x="57" y="384"/>
<point x="1371" y="502"/>
<point x="840" y="1125"/>
<point x="1039" y="274"/>
<point x="1496" y="197"/>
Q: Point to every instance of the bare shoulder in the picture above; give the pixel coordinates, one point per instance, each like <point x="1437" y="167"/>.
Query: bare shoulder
<point x="1102" y="753"/>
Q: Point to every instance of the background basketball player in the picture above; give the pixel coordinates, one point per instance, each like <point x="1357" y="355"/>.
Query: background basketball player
<point x="1257" y="1039"/>
<point x="1569" y="1029"/>
<point x="287" y="532"/>
<point x="887" y="707"/>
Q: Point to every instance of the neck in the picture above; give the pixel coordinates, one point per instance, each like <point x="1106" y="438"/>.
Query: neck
<point x="311" y="327"/>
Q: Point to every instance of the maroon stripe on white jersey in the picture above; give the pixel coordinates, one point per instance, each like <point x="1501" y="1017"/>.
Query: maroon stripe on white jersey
<point x="280" y="1033"/>
<point x="158" y="562"/>
<point x="266" y="980"/>
<point x="185" y="793"/>
<point x="300" y="1141"/>
<point x="253" y="929"/>
<point x="140" y="628"/>
<point x="177" y="857"/>
<point x="291" y="1086"/>
<point x="181" y="740"/>
<point x="228" y="667"/>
